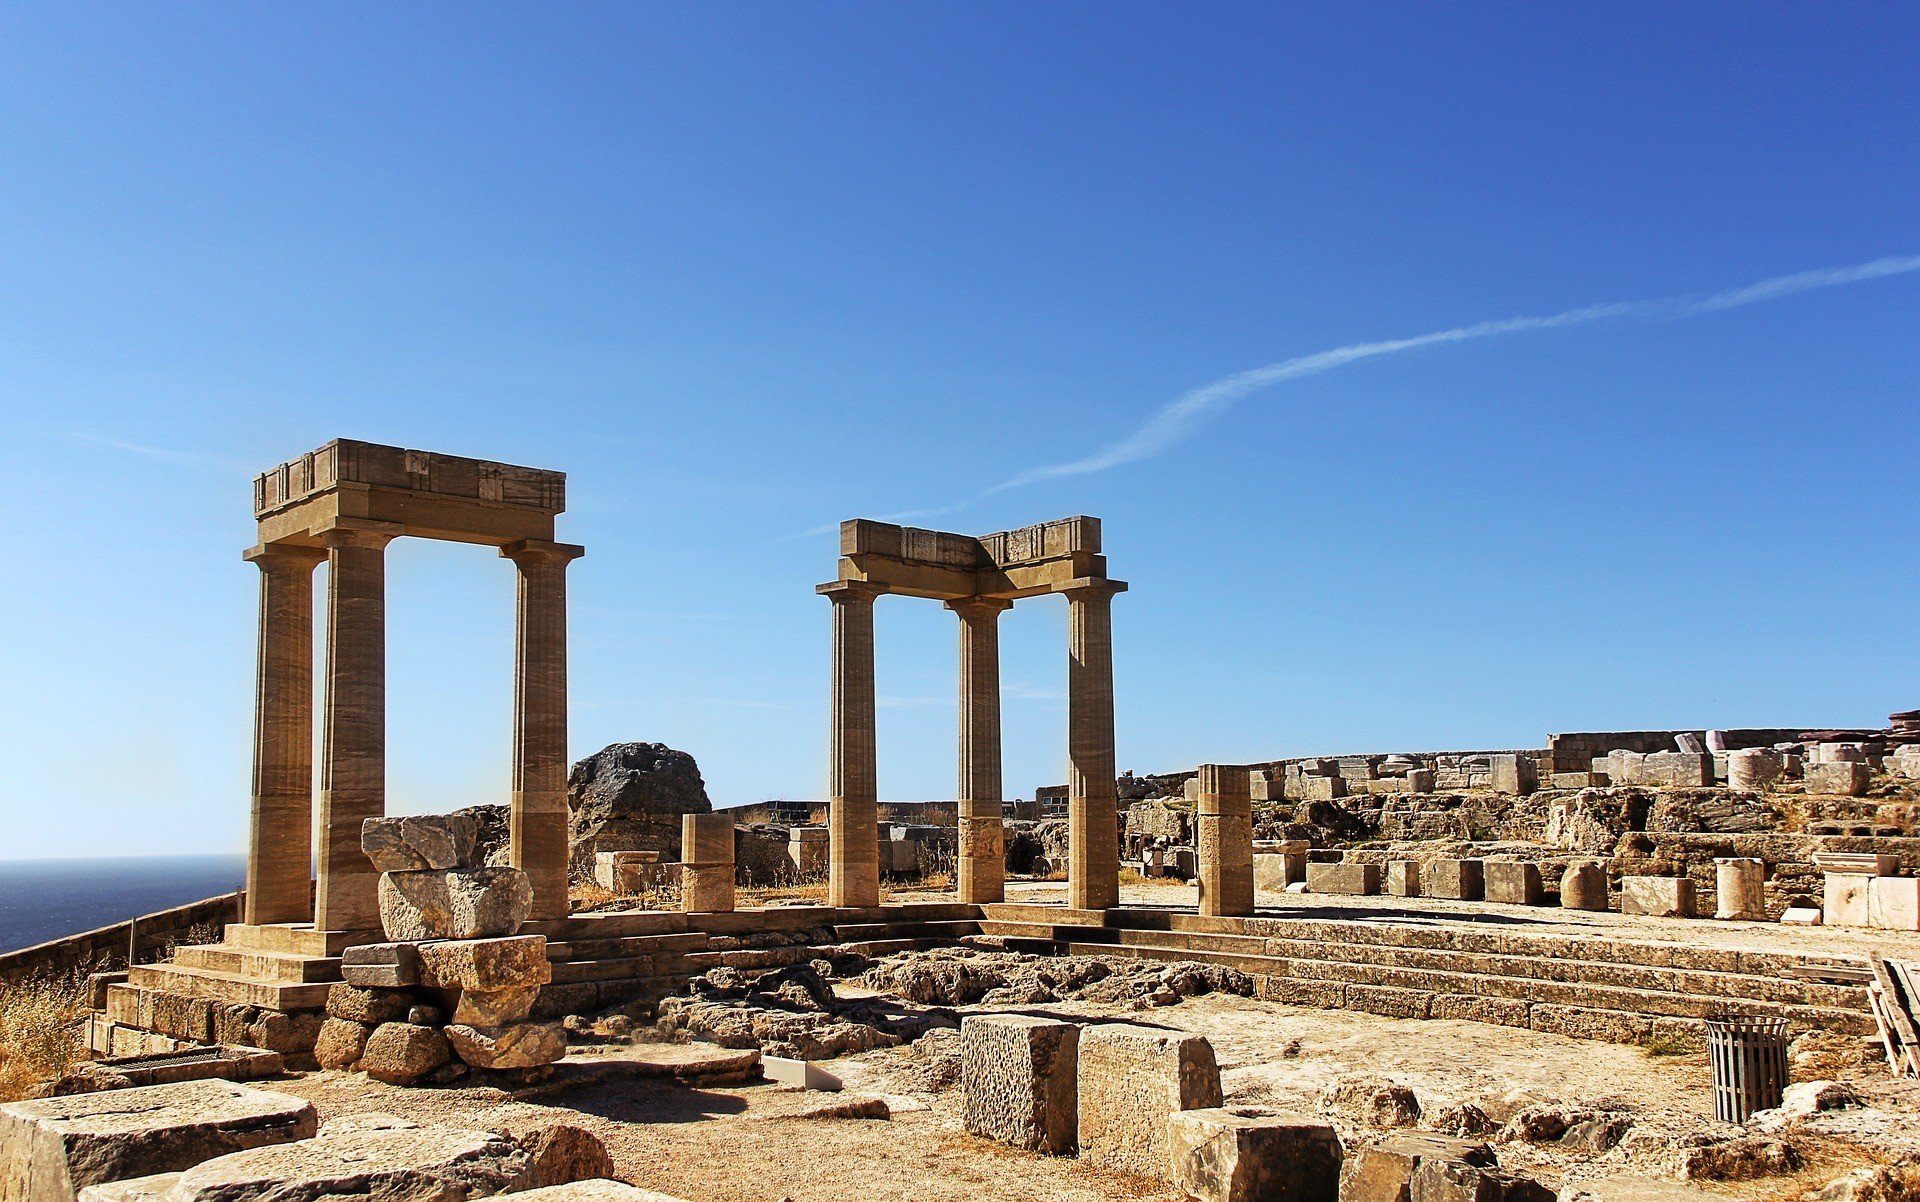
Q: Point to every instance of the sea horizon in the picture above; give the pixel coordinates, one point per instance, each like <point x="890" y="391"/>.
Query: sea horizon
<point x="50" y="898"/>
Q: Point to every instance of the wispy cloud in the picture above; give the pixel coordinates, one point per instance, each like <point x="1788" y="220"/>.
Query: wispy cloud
<point x="193" y="459"/>
<point x="1177" y="420"/>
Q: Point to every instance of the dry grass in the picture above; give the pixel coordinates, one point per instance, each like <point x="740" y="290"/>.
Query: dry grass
<point x="40" y="1029"/>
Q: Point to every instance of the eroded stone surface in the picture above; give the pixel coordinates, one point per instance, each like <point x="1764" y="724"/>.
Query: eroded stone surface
<point x="1131" y="1078"/>
<point x="52" y="1147"/>
<point x="486" y="964"/>
<point x="403" y="1054"/>
<point x="521" y="1045"/>
<point x="1221" y="1155"/>
<point x="495" y="1007"/>
<point x="415" y="843"/>
<point x="368" y="1156"/>
<point x="463" y="903"/>
<point x="1017" y="1074"/>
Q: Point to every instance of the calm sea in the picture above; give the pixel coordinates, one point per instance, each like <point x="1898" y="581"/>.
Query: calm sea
<point x="46" y="899"/>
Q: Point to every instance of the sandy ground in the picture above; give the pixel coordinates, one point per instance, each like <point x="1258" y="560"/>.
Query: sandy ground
<point x="743" y="1145"/>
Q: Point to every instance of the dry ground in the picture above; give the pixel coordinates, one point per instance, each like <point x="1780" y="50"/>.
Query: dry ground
<point x="733" y="1145"/>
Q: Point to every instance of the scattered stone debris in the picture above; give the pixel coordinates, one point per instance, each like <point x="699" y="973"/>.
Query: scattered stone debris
<point x="1705" y="1157"/>
<point x="1375" y="1103"/>
<point x="965" y="976"/>
<point x="791" y="1011"/>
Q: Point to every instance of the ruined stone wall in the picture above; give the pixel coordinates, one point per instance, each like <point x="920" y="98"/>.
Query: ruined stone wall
<point x="150" y="935"/>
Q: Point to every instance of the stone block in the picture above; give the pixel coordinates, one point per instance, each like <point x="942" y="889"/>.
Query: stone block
<point x="403" y="1053"/>
<point x="1584" y="886"/>
<point x="627" y="872"/>
<point x="417" y="843"/>
<point x="1131" y="1080"/>
<point x="1514" y="774"/>
<point x="520" y="1045"/>
<point x="363" y="1156"/>
<point x="486" y="964"/>
<point x="1419" y="780"/>
<point x="706" y="888"/>
<point x="1453" y="1181"/>
<point x="1355" y="879"/>
<point x="1320" y="788"/>
<point x="1839" y="778"/>
<point x="381" y="965"/>
<point x="1657" y="896"/>
<point x="51" y="1148"/>
<point x="706" y="838"/>
<point x="1574" y="780"/>
<point x="371" y="1006"/>
<point x="1870" y="863"/>
<point x="1513" y="883"/>
<point x="460" y="903"/>
<point x="1018" y="1079"/>
<point x="1847" y="900"/>
<point x="1403" y="878"/>
<point x="1836" y="753"/>
<point x="706" y="853"/>
<point x="1893" y="902"/>
<point x="1220" y="1155"/>
<point x="1384" y="1172"/>
<point x="1458" y="880"/>
<point x="808" y="846"/>
<point x="1676" y="770"/>
<point x="341" y="1043"/>
<point x="494" y="1007"/>
<point x="1274" y="871"/>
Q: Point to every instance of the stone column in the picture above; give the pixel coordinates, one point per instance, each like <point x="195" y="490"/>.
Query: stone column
<point x="1093" y="834"/>
<point x="706" y="863"/>
<point x="1224" y="834"/>
<point x="1740" y="889"/>
<point x="353" y="766"/>
<point x="280" y="844"/>
<point x="853" y="808"/>
<point x="983" y="840"/>
<point x="537" y="825"/>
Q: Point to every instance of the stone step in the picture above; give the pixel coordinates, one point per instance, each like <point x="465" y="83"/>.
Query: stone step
<point x="615" y="924"/>
<point x="1042" y="912"/>
<point x="226" y="987"/>
<point x="295" y="939"/>
<point x="597" y="948"/>
<point x="872" y="948"/>
<point x="954" y="930"/>
<point x="573" y="971"/>
<point x="258" y="965"/>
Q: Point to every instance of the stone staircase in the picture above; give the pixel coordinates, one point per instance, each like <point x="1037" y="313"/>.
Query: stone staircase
<point x="1592" y="987"/>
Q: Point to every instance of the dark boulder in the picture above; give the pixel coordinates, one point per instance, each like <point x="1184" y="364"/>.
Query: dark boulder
<point x="630" y="797"/>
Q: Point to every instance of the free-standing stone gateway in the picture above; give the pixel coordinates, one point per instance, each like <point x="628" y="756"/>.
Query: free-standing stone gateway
<point x="343" y="504"/>
<point x="978" y="578"/>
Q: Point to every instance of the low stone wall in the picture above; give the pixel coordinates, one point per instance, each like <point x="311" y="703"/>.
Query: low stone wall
<point x="150" y="935"/>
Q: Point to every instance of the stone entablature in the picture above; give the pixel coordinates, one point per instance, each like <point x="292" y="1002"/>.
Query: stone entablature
<point x="432" y="495"/>
<point x="1046" y="558"/>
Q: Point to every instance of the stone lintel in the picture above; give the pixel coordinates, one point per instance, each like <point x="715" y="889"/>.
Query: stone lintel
<point x="428" y="495"/>
<point x="290" y="553"/>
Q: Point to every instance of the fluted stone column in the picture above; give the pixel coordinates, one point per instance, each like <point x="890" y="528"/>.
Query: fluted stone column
<point x="353" y="766"/>
<point x="853" y="858"/>
<point x="280" y="843"/>
<point x="537" y="825"/>
<point x="983" y="840"/>
<point x="1093" y="834"/>
<point x="1224" y="832"/>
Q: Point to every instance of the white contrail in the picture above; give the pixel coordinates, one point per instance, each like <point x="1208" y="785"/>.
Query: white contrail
<point x="1177" y="419"/>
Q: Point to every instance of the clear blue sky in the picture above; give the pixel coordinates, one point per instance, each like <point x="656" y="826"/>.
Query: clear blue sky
<point x="745" y="270"/>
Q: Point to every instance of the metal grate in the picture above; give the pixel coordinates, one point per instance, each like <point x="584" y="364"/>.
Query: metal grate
<point x="1749" y="1056"/>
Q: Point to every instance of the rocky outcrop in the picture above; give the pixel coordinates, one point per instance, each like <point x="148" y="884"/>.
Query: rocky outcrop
<point x="630" y="797"/>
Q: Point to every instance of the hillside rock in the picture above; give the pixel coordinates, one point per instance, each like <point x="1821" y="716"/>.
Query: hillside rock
<point x="630" y="797"/>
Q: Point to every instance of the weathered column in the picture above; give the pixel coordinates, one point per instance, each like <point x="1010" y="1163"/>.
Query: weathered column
<point x="353" y="766"/>
<point x="853" y="858"/>
<point x="706" y="862"/>
<point x="1740" y="889"/>
<point x="1224" y="834"/>
<point x="983" y="840"/>
<point x="1093" y="834"/>
<point x="280" y="843"/>
<point x="537" y="823"/>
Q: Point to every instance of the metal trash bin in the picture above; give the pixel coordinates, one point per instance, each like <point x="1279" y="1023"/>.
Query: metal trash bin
<point x="1749" y="1056"/>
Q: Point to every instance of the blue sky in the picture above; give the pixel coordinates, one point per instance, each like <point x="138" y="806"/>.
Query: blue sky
<point x="745" y="270"/>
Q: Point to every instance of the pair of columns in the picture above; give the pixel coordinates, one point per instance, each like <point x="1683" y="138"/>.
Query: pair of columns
<point x="853" y="810"/>
<point x="280" y="883"/>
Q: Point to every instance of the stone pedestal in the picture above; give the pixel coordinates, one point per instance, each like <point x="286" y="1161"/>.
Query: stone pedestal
<point x="807" y="848"/>
<point x="1093" y="832"/>
<point x="1514" y="774"/>
<point x="1354" y="880"/>
<point x="853" y="877"/>
<point x="706" y="854"/>
<point x="627" y="872"/>
<point x="1403" y="878"/>
<point x="1456" y="880"/>
<point x="1584" y="887"/>
<point x="280" y="845"/>
<point x="982" y="839"/>
<point x="1513" y="883"/>
<point x="1224" y="839"/>
<point x="1740" y="890"/>
<point x="537" y="824"/>
<point x="353" y="768"/>
<point x="1754" y="769"/>
<point x="1657" y="896"/>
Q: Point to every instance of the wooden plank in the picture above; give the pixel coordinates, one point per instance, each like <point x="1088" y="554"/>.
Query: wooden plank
<point x="1880" y="1020"/>
<point x="1837" y="973"/>
<point x="1899" y="1011"/>
<point x="1903" y="977"/>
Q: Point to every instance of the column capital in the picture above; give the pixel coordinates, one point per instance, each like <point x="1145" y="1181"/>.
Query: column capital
<point x="970" y="608"/>
<point x="842" y="591"/>
<point x="528" y="551"/>
<point x="282" y="556"/>
<point x="360" y="532"/>
<point x="1090" y="587"/>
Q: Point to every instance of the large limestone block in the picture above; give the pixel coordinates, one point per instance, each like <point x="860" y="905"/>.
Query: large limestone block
<point x="1452" y="1181"/>
<point x="1018" y="1080"/>
<point x="1403" y="878"/>
<point x="462" y="903"/>
<point x="1384" y="1172"/>
<point x="1754" y="769"/>
<point x="1740" y="889"/>
<point x="1131" y="1080"/>
<point x="496" y="1007"/>
<point x="1458" y="880"/>
<point x="341" y="1044"/>
<point x="417" y="843"/>
<point x="561" y="1153"/>
<point x="706" y="888"/>
<point x="1658" y="896"/>
<point x="50" y="1148"/>
<point x="1513" y="883"/>
<point x="372" y="1006"/>
<point x="1514" y="774"/>
<point x="1893" y="903"/>
<point x="1353" y="880"/>
<point x="403" y="1053"/>
<point x="1274" y="871"/>
<point x="518" y="1045"/>
<point x="1584" y="886"/>
<point x="1677" y="770"/>
<point x="381" y="965"/>
<point x="1222" y="1155"/>
<point x="1841" y="778"/>
<point x="486" y="964"/>
<point x="376" y="1158"/>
